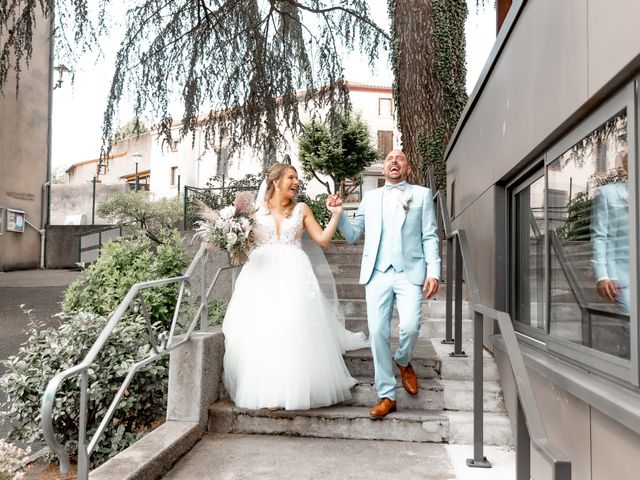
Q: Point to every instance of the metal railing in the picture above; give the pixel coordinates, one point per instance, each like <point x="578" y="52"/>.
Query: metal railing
<point x="89" y="247"/>
<point x="161" y="345"/>
<point x="530" y="428"/>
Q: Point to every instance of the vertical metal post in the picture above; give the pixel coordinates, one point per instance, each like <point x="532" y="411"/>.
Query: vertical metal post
<point x="93" y="203"/>
<point x="186" y="208"/>
<point x="478" y="460"/>
<point x="204" y="313"/>
<point x="137" y="178"/>
<point x="457" y="334"/>
<point x="523" y="445"/>
<point x="83" y="457"/>
<point x="448" y="325"/>
<point x="48" y="213"/>
<point x="439" y="223"/>
<point x="562" y="470"/>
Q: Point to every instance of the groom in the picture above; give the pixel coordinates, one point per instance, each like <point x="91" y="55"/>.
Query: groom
<point x="401" y="263"/>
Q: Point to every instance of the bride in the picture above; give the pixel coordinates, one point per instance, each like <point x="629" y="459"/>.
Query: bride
<point x="283" y="340"/>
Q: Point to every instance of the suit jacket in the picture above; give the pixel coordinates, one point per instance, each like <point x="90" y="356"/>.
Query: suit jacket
<point x="420" y="241"/>
<point x="610" y="233"/>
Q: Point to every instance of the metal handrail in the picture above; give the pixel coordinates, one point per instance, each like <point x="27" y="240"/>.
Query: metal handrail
<point x="162" y="345"/>
<point x="530" y="427"/>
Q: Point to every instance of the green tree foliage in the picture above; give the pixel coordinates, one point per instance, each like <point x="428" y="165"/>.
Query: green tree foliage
<point x="87" y="305"/>
<point x="342" y="151"/>
<point x="237" y="66"/>
<point x="154" y="217"/>
<point x="129" y="129"/>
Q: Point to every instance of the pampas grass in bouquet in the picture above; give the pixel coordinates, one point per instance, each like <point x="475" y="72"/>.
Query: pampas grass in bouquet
<point x="231" y="227"/>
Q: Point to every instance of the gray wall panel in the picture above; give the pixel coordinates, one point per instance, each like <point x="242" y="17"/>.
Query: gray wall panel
<point x="537" y="84"/>
<point x="468" y="165"/>
<point x="477" y="220"/>
<point x="566" y="418"/>
<point x="614" y="37"/>
<point x="613" y="448"/>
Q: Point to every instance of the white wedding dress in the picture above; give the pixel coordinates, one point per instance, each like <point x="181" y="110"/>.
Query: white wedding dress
<point x="283" y="342"/>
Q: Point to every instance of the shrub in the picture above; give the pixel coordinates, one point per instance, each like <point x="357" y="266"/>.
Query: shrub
<point x="87" y="303"/>
<point x="103" y="285"/>
<point x="51" y="350"/>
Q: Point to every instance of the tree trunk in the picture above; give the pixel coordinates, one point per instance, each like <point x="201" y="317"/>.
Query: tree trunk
<point x="429" y="70"/>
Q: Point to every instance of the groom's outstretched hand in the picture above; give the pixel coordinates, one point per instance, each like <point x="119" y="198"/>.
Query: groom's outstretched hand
<point x="430" y="287"/>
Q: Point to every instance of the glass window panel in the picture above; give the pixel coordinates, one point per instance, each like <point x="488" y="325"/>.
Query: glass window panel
<point x="588" y="209"/>
<point x="529" y="255"/>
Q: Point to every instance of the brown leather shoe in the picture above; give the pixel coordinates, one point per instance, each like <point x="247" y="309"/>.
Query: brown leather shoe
<point x="409" y="380"/>
<point x="382" y="408"/>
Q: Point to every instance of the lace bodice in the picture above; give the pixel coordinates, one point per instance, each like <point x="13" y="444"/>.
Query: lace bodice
<point x="265" y="232"/>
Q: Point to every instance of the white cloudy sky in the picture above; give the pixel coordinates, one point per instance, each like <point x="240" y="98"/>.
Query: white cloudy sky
<point x="78" y="108"/>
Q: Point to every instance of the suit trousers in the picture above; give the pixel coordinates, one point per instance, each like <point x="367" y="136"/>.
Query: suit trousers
<point x="382" y="291"/>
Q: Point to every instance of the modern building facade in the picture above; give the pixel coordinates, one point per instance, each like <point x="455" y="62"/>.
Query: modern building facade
<point x="24" y="157"/>
<point x="543" y="177"/>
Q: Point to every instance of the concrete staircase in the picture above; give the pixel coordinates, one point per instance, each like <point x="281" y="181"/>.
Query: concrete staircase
<point x="442" y="412"/>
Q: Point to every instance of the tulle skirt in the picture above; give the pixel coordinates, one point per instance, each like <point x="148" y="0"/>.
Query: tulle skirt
<point x="283" y="343"/>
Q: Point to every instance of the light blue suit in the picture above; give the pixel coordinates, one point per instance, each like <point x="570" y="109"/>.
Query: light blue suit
<point x="610" y="238"/>
<point x="401" y="249"/>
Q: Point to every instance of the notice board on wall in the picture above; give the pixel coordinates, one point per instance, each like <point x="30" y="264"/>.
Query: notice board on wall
<point x="15" y="220"/>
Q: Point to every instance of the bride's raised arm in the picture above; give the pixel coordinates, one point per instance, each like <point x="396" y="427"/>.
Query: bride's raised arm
<point x="320" y="236"/>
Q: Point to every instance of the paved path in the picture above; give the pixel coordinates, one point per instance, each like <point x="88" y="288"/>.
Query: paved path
<point x="249" y="457"/>
<point x="38" y="290"/>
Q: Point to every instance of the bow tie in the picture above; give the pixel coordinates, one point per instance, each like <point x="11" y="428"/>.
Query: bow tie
<point x="400" y="186"/>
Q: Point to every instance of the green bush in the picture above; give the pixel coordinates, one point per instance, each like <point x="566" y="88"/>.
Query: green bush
<point x="48" y="351"/>
<point x="87" y="304"/>
<point x="103" y="285"/>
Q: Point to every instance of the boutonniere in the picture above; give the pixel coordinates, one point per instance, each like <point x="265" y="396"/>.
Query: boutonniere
<point x="406" y="200"/>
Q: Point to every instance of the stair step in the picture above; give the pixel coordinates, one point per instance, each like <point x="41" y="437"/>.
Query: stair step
<point x="430" y="328"/>
<point x="357" y="307"/>
<point x="349" y="288"/>
<point x="431" y="360"/>
<point x="354" y="423"/>
<point x="434" y="394"/>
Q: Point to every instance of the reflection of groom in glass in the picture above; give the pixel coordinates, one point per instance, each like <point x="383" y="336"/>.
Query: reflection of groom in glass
<point x="610" y="238"/>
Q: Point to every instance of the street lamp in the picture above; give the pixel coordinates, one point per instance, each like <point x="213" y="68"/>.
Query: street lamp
<point x="136" y="157"/>
<point x="61" y="69"/>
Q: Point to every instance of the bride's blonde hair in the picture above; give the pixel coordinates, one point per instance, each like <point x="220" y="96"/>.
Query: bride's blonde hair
<point x="275" y="174"/>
